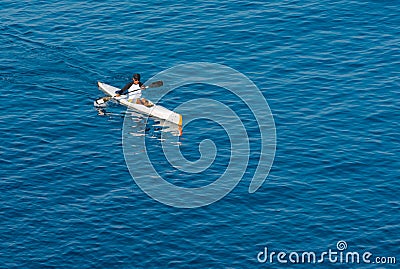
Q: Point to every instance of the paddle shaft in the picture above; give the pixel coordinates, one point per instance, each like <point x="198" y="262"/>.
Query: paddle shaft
<point x="108" y="98"/>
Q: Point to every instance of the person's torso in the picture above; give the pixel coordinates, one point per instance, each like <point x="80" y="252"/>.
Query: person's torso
<point x="134" y="91"/>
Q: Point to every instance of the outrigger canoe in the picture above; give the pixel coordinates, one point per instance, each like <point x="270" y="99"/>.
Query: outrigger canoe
<point x="155" y="110"/>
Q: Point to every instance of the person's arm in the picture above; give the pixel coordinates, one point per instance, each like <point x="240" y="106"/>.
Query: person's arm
<point x="125" y="88"/>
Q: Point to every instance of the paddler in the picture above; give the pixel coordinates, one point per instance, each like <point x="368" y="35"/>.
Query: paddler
<point x="133" y="91"/>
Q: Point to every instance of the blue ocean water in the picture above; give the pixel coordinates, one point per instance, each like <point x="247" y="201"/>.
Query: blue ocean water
<point x="328" y="69"/>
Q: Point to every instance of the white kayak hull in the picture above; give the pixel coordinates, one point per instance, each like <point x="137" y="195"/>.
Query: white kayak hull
<point x="155" y="110"/>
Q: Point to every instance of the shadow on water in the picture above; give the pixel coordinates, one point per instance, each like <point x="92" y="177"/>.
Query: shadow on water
<point x="140" y="125"/>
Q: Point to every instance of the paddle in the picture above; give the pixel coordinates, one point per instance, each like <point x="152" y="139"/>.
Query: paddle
<point x="103" y="100"/>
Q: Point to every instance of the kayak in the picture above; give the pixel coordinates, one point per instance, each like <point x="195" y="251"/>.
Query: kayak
<point x="155" y="110"/>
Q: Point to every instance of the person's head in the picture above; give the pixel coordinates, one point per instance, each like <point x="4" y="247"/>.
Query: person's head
<point x="136" y="78"/>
